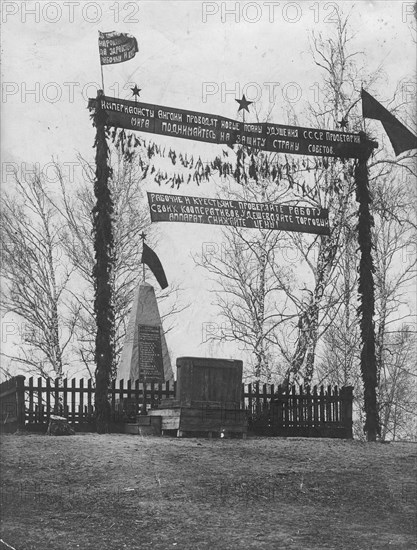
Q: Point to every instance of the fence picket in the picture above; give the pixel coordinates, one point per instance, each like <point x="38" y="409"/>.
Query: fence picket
<point x="48" y="398"/>
<point x="321" y="405"/>
<point x="294" y="408"/>
<point x="300" y="406"/>
<point x="279" y="404"/>
<point x="81" y="401"/>
<point x="40" y="404"/>
<point x="257" y="398"/>
<point x="264" y="397"/>
<point x="329" y="418"/>
<point x="316" y="408"/>
<point x="65" y="396"/>
<point x="89" y="397"/>
<point x="56" y="408"/>
<point x="286" y="404"/>
<point x="31" y="407"/>
<point x="309" y="402"/>
<point x="73" y="400"/>
<point x="336" y="403"/>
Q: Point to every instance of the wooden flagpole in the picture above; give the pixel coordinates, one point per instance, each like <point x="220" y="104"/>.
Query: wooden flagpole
<point x="367" y="298"/>
<point x="102" y="77"/>
<point x="103" y="271"/>
<point x="143" y="237"/>
<point x="101" y="65"/>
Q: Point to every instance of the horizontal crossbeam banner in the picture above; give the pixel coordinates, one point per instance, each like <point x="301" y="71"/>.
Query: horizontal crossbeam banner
<point x="242" y="214"/>
<point x="275" y="138"/>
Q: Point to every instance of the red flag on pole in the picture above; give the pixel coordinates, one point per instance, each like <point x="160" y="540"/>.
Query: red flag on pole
<point x="399" y="135"/>
<point x="116" y="47"/>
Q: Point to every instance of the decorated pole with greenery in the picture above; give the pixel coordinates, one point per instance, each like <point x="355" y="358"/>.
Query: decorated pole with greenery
<point x="103" y="270"/>
<point x="366" y="308"/>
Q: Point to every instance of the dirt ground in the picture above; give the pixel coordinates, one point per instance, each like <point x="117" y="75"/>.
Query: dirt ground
<point x="113" y="491"/>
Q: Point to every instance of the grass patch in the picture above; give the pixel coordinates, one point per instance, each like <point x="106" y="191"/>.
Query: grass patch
<point x="123" y="491"/>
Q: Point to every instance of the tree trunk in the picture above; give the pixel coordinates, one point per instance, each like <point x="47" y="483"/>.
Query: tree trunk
<point x="304" y="354"/>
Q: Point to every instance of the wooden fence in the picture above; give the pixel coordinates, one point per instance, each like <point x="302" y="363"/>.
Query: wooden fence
<point x="270" y="410"/>
<point x="74" y="399"/>
<point x="318" y="412"/>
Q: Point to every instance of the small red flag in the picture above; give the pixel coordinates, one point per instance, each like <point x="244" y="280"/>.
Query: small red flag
<point x="116" y="47"/>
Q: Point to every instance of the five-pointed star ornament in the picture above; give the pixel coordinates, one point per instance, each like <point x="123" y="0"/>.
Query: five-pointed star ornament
<point x="136" y="91"/>
<point x="343" y="123"/>
<point x="143" y="236"/>
<point x="243" y="103"/>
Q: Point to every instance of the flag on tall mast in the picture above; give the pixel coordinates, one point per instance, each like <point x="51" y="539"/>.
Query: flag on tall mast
<point x="115" y="47"/>
<point x="401" y="138"/>
<point x="150" y="258"/>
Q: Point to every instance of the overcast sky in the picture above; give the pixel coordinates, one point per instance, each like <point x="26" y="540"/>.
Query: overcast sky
<point x="193" y="55"/>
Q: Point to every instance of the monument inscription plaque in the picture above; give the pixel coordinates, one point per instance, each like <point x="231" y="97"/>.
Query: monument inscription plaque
<point x="151" y="368"/>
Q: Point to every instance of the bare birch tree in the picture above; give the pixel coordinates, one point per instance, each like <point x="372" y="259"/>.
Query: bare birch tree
<point x="249" y="294"/>
<point x="36" y="277"/>
<point x="334" y="186"/>
<point x="397" y="386"/>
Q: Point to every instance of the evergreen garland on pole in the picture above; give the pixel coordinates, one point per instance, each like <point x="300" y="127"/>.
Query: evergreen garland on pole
<point x="103" y="270"/>
<point x="366" y="309"/>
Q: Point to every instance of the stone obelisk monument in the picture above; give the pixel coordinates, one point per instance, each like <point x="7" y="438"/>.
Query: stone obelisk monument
<point x="145" y="354"/>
